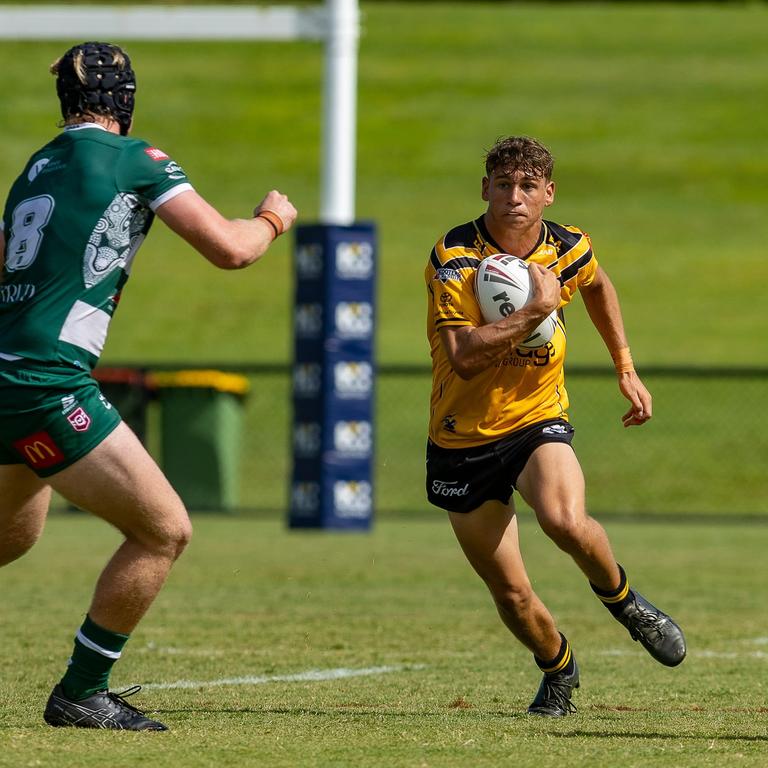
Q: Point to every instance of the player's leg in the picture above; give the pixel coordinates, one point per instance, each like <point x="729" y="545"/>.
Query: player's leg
<point x="489" y="538"/>
<point x="119" y="482"/>
<point x="24" y="500"/>
<point x="553" y="484"/>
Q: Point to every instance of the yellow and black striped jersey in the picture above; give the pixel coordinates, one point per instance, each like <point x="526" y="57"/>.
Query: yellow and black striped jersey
<point x="526" y="386"/>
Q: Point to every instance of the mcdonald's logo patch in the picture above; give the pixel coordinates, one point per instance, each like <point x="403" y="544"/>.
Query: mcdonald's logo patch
<point x="39" y="450"/>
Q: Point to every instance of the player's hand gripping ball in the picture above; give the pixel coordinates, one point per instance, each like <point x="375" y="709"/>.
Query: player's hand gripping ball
<point x="502" y="286"/>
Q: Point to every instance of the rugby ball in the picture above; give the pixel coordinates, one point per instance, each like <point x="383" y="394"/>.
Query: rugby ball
<point x="502" y="286"/>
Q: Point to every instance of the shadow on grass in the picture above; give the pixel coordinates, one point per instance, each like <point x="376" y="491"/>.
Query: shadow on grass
<point x="581" y="734"/>
<point x="516" y="716"/>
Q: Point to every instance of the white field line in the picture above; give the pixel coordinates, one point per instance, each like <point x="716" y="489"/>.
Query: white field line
<point x="311" y="675"/>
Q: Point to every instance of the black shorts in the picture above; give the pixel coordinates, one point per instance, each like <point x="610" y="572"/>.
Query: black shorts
<point x="461" y="479"/>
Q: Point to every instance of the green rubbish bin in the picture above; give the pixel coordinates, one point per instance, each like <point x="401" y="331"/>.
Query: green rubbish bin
<point x="201" y="414"/>
<point x="126" y="389"/>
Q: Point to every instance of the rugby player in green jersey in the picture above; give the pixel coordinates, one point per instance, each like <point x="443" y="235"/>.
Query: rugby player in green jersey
<point x="71" y="226"/>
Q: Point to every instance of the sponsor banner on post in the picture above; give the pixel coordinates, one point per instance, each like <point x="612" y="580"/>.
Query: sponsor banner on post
<point x="352" y="438"/>
<point x="305" y="499"/>
<point x="353" y="499"/>
<point x="354" y="260"/>
<point x="352" y="379"/>
<point x="307" y="437"/>
<point x="333" y="377"/>
<point x="354" y="320"/>
<point x="309" y="261"/>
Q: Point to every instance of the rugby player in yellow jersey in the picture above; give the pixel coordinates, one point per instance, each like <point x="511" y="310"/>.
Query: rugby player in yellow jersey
<point x="498" y="417"/>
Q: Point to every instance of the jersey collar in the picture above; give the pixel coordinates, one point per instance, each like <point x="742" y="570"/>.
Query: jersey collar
<point x="82" y="126"/>
<point x="485" y="236"/>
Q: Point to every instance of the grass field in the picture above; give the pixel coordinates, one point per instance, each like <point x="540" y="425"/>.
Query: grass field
<point x="250" y="599"/>
<point x="383" y="650"/>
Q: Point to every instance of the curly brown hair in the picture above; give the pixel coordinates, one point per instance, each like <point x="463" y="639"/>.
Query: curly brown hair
<point x="519" y="153"/>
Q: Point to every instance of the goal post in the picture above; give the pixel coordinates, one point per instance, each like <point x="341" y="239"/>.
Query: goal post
<point x="331" y="484"/>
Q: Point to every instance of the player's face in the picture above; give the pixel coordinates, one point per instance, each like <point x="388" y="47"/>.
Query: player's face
<point x="517" y="201"/>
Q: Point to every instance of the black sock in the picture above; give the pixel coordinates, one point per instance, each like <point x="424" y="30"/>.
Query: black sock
<point x="618" y="598"/>
<point x="562" y="663"/>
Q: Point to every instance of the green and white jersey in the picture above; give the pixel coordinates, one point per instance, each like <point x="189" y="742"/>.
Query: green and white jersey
<point x="73" y="222"/>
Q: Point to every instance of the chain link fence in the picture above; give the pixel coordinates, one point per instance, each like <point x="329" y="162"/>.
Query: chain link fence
<point x="703" y="453"/>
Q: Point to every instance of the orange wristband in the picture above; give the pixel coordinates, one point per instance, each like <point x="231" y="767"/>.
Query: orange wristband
<point x="622" y="360"/>
<point x="273" y="220"/>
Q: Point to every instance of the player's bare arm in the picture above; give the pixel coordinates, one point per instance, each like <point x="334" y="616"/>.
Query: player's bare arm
<point x="602" y="303"/>
<point x="472" y="350"/>
<point x="228" y="243"/>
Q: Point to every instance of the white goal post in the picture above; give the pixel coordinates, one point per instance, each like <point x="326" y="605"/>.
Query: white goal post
<point x="337" y="24"/>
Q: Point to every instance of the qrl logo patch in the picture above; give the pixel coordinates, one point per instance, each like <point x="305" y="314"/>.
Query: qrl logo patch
<point x="79" y="420"/>
<point x="39" y="450"/>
